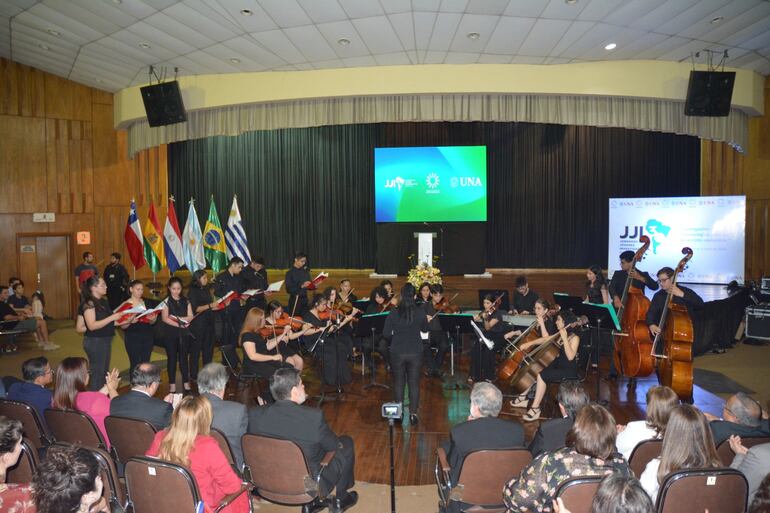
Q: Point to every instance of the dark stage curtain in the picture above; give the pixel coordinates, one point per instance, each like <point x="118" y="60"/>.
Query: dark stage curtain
<point x="312" y="189"/>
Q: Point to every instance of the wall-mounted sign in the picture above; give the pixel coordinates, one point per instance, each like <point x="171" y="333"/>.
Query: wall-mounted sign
<point x="44" y="217"/>
<point x="83" y="238"/>
<point x="27" y="248"/>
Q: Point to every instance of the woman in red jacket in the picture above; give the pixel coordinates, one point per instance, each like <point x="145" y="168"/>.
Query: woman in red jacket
<point x="187" y="442"/>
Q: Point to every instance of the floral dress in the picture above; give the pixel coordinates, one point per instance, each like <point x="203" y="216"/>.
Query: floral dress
<point x="535" y="489"/>
<point x="16" y="498"/>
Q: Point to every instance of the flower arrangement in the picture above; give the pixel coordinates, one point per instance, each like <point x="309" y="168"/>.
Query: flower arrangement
<point x="423" y="273"/>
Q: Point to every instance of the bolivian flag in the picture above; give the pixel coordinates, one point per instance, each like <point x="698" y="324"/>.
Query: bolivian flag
<point x="214" y="241"/>
<point x="153" y="242"/>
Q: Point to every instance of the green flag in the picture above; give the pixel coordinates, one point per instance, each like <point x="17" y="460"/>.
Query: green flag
<point x="214" y="241"/>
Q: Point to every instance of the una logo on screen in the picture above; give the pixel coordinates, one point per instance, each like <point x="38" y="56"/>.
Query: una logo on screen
<point x="466" y="181"/>
<point x="656" y="230"/>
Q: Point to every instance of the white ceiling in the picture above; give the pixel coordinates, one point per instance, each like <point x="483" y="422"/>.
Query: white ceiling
<point x="109" y="44"/>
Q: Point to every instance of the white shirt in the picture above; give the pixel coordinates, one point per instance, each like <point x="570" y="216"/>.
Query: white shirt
<point x="649" y="479"/>
<point x="635" y="432"/>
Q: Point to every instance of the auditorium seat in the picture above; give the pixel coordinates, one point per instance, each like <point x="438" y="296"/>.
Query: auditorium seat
<point x="23" y="471"/>
<point x="644" y="452"/>
<point x="129" y="437"/>
<point x="695" y="490"/>
<point x="577" y="493"/>
<point x="74" y="427"/>
<point x="726" y="454"/>
<point x="34" y="430"/>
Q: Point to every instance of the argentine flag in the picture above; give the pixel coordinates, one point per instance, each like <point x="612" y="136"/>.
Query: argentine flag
<point x="235" y="237"/>
<point x="192" y="241"/>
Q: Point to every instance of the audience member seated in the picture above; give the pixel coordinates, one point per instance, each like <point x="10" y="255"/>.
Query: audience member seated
<point x="71" y="392"/>
<point x="741" y="416"/>
<point x="754" y="463"/>
<point x="37" y="374"/>
<point x="38" y="304"/>
<point x="10" y="320"/>
<point x="10" y="448"/>
<point x="660" y="401"/>
<point x="616" y="494"/>
<point x="68" y="481"/>
<point x="22" y="306"/>
<point x="590" y="451"/>
<point x="140" y="403"/>
<point x="761" y="502"/>
<point x="552" y="433"/>
<point x="187" y="442"/>
<point x="687" y="444"/>
<point x="288" y="420"/>
<point x="230" y="418"/>
<point x="482" y="430"/>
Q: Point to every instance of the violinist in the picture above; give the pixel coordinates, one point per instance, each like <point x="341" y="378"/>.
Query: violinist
<point x="483" y="358"/>
<point x="563" y="367"/>
<point x="346" y="292"/>
<point x="339" y="317"/>
<point x="278" y="321"/>
<point x="437" y="336"/>
<point x="423" y="294"/>
<point x="297" y="281"/>
<point x="640" y="279"/>
<point x="336" y="346"/>
<point x="254" y="276"/>
<point x="681" y="296"/>
<point x="387" y="285"/>
<point x="264" y="355"/>
<point x="230" y="281"/>
<point x="378" y="304"/>
<point x="523" y="297"/>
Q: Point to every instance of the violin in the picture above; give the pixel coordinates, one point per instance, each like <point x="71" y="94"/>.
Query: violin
<point x="495" y="305"/>
<point x="445" y="306"/>
<point x="278" y="326"/>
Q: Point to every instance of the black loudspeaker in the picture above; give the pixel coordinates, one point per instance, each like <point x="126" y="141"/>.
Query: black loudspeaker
<point x="709" y="93"/>
<point x="163" y="104"/>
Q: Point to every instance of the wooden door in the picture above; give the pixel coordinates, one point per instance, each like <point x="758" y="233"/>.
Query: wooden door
<point x="44" y="264"/>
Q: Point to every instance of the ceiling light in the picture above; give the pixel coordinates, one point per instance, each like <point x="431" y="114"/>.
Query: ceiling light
<point x="99" y="81"/>
<point x="117" y="2"/>
<point x="717" y="20"/>
<point x="246" y="12"/>
<point x="570" y="2"/>
<point x="54" y="32"/>
<point x="343" y="41"/>
<point x="473" y="36"/>
<point x="44" y="47"/>
<point x="144" y="45"/>
<point x="610" y="46"/>
<point x="235" y="60"/>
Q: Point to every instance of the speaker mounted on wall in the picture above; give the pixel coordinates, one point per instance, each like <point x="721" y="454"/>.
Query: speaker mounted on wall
<point x="163" y="104"/>
<point x="709" y="93"/>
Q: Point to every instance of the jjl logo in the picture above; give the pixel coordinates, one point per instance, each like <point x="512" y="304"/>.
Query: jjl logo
<point x="638" y="232"/>
<point x="395" y="183"/>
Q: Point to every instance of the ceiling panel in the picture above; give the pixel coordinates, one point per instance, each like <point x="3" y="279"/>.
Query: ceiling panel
<point x="207" y="22"/>
<point x="231" y="10"/>
<point x="481" y="24"/>
<point x="276" y="42"/>
<point x="509" y="34"/>
<point x="444" y="30"/>
<point x="378" y="34"/>
<point x="285" y="13"/>
<point x="309" y="41"/>
<point x="393" y="59"/>
<point x="397" y="6"/>
<point x="337" y="30"/>
<point x="598" y="10"/>
<point x="543" y="37"/>
<point x="362" y="8"/>
<point x="423" y="28"/>
<point x="494" y="7"/>
<point x="10" y="8"/>
<point x="403" y="24"/>
<point x="323" y="12"/>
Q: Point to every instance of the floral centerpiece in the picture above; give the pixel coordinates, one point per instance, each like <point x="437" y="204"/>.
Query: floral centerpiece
<point x="423" y="273"/>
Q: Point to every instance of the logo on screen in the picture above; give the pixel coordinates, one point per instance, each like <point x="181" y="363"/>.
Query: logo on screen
<point x="466" y="181"/>
<point x="432" y="181"/>
<point x="398" y="183"/>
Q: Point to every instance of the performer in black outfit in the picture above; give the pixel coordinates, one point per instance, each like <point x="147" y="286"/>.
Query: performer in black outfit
<point x="682" y="296"/>
<point x="254" y="276"/>
<point x="276" y="323"/>
<point x="176" y="334"/>
<point x="523" y="298"/>
<point x="378" y="303"/>
<point x="296" y="282"/>
<point x="346" y="292"/>
<point x="264" y="355"/>
<point x="597" y="293"/>
<point x="437" y="335"/>
<point x="483" y="358"/>
<point x="423" y="294"/>
<point x="337" y="345"/>
<point x="404" y="327"/>
<point x="640" y="280"/>
<point x="202" y="327"/>
<point x="230" y="281"/>
<point x="138" y="334"/>
<point x="116" y="277"/>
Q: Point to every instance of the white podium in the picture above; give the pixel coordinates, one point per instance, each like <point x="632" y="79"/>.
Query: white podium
<point x="425" y="247"/>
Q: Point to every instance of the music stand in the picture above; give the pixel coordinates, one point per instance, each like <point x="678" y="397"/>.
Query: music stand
<point x="457" y="323"/>
<point x="566" y="301"/>
<point x="369" y="326"/>
<point x="598" y="315"/>
<point x="505" y="303"/>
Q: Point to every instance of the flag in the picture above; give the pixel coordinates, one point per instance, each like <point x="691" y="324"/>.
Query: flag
<point x="153" y="242"/>
<point x="194" y="258"/>
<point x="214" y="240"/>
<point x="133" y="237"/>
<point x="172" y="239"/>
<point x="235" y="237"/>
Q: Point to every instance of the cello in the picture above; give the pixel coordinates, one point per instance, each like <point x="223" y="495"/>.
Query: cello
<point x="633" y="353"/>
<point x="513" y="355"/>
<point x="675" y="366"/>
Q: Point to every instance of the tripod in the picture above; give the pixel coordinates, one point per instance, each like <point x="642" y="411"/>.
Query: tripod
<point x="392" y="468"/>
<point x="369" y="326"/>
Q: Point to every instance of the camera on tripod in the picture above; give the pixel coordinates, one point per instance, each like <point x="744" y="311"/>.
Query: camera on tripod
<point x="392" y="411"/>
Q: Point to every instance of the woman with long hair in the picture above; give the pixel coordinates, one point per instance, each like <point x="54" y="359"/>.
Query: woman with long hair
<point x="423" y="294"/>
<point x="688" y="443"/>
<point x="100" y="328"/>
<point x="596" y="286"/>
<point x="138" y="333"/>
<point x="263" y="355"/>
<point x="187" y="442"/>
<point x="337" y="344"/>
<point x="405" y="327"/>
<point x="660" y="401"/>
<point x="71" y="392"/>
<point x="202" y="327"/>
<point x="482" y="357"/>
<point x="276" y="315"/>
<point x="177" y="317"/>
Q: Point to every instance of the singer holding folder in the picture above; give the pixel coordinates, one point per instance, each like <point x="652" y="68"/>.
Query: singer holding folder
<point x="202" y="327"/>
<point x="297" y="282"/>
<point x="176" y="319"/>
<point x="139" y="337"/>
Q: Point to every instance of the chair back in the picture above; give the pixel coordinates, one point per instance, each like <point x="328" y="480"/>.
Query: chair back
<point x="695" y="490"/>
<point x="644" y="452"/>
<point x="726" y="454"/>
<point x="577" y="493"/>
<point x="224" y="445"/>
<point x="22" y="472"/>
<point x="34" y="431"/>
<point x="485" y="472"/>
<point x="129" y="437"/>
<point x="278" y="469"/>
<point x="230" y="358"/>
<point x="74" y="427"/>
<point x="114" y="490"/>
<point x="156" y="486"/>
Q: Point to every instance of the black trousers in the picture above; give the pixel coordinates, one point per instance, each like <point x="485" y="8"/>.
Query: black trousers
<point x="177" y="348"/>
<point x="231" y="326"/>
<point x="339" y="474"/>
<point x="138" y="346"/>
<point x="203" y="343"/>
<point x="439" y="339"/>
<point x="406" y="370"/>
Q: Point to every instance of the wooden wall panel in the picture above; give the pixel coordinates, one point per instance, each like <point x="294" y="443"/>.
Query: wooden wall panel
<point x="22" y="90"/>
<point x="22" y="164"/>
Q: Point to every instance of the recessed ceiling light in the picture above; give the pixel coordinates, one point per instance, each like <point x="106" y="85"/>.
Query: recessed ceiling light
<point x="610" y="46"/>
<point x="44" y="47"/>
<point x="235" y="60"/>
<point x="99" y="81"/>
<point x="570" y="2"/>
<point x="343" y="41"/>
<point x="54" y="32"/>
<point x="473" y="36"/>
<point x="717" y="20"/>
<point x="144" y="45"/>
<point x="247" y="12"/>
<point x="117" y="2"/>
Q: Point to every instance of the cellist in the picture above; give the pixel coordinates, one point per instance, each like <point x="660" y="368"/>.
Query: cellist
<point x="640" y="279"/>
<point x="681" y="296"/>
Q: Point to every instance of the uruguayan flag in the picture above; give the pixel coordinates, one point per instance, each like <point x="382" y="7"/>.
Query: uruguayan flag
<point x="235" y="237"/>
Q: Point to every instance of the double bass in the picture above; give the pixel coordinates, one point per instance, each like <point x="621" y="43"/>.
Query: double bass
<point x="675" y="366"/>
<point x="633" y="353"/>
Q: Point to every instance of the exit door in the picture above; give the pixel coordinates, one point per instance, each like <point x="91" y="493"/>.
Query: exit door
<point x="44" y="265"/>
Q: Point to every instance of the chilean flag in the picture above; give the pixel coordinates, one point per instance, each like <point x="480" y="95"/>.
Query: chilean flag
<point x="172" y="237"/>
<point x="133" y="237"/>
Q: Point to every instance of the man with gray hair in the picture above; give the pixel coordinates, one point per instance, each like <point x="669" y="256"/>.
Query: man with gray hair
<point x="741" y="416"/>
<point x="139" y="403"/>
<point x="482" y="430"/>
<point x="230" y="417"/>
<point x="552" y="433"/>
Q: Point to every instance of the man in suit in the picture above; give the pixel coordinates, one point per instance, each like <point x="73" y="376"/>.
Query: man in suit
<point x="139" y="402"/>
<point x="552" y="433"/>
<point x="741" y="416"/>
<point x="754" y="463"/>
<point x="230" y="417"/>
<point x="482" y="430"/>
<point x="37" y="374"/>
<point x="307" y="427"/>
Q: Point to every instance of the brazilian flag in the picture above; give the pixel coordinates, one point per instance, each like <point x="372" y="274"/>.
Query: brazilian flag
<point x="214" y="241"/>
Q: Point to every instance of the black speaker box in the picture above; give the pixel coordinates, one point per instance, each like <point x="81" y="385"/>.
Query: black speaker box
<point x="709" y="93"/>
<point x="163" y="104"/>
